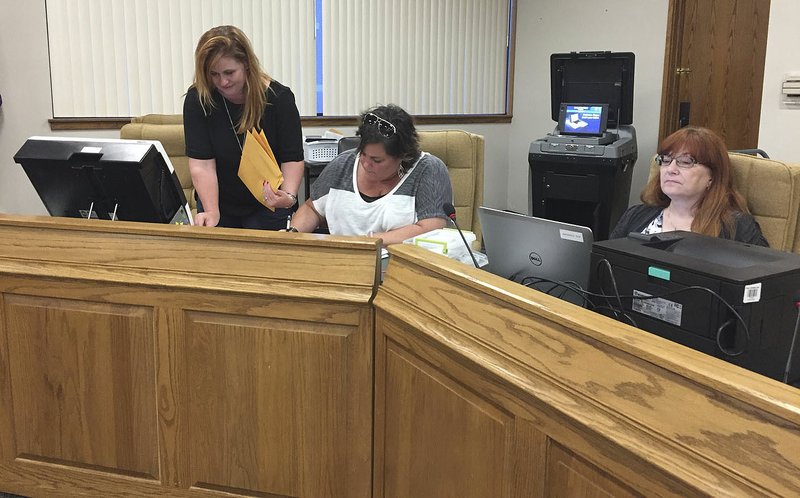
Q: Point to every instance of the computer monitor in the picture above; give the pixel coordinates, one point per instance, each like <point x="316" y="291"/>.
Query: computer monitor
<point x="112" y="179"/>
<point x="582" y="119"/>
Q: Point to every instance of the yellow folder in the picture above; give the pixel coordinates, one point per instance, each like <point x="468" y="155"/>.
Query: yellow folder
<point x="258" y="165"/>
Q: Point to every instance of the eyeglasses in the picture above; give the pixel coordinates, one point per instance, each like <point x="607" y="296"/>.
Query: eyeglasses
<point x="385" y="128"/>
<point x="685" y="161"/>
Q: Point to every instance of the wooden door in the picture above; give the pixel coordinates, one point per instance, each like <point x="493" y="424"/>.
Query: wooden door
<point x="714" y="68"/>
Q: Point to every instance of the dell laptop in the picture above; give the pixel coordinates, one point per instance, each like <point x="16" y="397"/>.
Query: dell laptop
<point x="537" y="252"/>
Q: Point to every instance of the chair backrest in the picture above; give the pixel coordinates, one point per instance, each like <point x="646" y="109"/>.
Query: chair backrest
<point x="167" y="129"/>
<point x="347" y="143"/>
<point x="772" y="191"/>
<point x="462" y="153"/>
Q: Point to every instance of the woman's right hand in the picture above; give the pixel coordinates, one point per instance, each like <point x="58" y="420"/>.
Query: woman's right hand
<point x="206" y="219"/>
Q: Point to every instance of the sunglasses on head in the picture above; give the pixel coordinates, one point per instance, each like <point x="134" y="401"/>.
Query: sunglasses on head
<point x="384" y="127"/>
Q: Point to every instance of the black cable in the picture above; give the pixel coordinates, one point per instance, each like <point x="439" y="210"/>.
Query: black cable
<point x="584" y="294"/>
<point x="718" y="338"/>
<point x="621" y="309"/>
<point x="567" y="286"/>
<point x="616" y="314"/>
<point x="678" y="291"/>
<point x="616" y="290"/>
<point x="791" y="348"/>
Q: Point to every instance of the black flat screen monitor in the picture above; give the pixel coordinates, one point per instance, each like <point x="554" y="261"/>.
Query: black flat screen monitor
<point x="594" y="78"/>
<point x="128" y="180"/>
<point x="582" y="119"/>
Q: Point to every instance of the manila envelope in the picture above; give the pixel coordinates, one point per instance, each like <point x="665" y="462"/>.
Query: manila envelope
<point x="258" y="165"/>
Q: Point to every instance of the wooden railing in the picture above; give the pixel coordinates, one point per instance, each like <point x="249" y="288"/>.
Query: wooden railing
<point x="487" y="388"/>
<point x="144" y="360"/>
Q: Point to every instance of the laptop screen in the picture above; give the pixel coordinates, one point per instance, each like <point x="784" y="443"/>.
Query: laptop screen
<point x="583" y="119"/>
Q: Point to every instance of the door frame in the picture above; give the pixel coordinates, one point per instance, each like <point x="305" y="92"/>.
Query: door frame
<point x="672" y="52"/>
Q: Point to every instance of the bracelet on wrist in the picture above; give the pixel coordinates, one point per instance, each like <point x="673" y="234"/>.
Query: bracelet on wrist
<point x="294" y="197"/>
<point x="292" y="229"/>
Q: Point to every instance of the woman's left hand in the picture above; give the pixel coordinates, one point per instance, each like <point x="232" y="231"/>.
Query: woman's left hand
<point x="277" y="199"/>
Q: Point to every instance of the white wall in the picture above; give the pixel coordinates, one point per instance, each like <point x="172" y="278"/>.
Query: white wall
<point x="780" y="125"/>
<point x="543" y="27"/>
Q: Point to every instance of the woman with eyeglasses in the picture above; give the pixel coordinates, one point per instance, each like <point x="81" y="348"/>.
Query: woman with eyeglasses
<point x="693" y="192"/>
<point x="386" y="187"/>
<point x="230" y="95"/>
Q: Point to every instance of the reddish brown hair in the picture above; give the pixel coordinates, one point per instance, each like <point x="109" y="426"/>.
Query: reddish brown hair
<point x="715" y="210"/>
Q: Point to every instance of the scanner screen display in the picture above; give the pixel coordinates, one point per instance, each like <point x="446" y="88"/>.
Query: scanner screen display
<point x="577" y="119"/>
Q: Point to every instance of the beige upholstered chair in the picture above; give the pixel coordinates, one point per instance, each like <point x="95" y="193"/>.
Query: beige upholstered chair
<point x="462" y="152"/>
<point x="167" y="129"/>
<point x="772" y="191"/>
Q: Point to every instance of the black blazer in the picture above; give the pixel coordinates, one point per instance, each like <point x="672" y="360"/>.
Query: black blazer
<point x="636" y="219"/>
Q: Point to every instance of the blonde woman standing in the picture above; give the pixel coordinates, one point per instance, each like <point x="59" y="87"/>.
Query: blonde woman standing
<point x="230" y="95"/>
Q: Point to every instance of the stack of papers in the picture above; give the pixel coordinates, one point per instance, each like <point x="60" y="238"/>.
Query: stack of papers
<point x="258" y="165"/>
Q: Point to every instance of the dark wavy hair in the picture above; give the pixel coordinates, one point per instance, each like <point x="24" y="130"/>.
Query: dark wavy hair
<point x="403" y="144"/>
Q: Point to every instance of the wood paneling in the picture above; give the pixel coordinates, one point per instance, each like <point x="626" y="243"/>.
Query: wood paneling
<point x="83" y="384"/>
<point x="569" y="475"/>
<point x="425" y="435"/>
<point x="144" y="360"/>
<point x="241" y="438"/>
<point x="223" y="259"/>
<point x="631" y="410"/>
<point x="140" y="360"/>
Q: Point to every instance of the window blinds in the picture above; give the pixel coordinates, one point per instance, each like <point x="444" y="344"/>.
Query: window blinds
<point x="428" y="56"/>
<point x="119" y="58"/>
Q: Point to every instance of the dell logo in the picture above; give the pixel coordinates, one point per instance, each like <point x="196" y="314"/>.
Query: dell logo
<point x="536" y="260"/>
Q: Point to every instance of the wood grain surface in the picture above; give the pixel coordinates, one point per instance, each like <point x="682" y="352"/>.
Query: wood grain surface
<point x="129" y="370"/>
<point x="622" y="408"/>
<point x="148" y="360"/>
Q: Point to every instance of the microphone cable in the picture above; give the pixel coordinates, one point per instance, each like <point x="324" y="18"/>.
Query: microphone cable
<point x="450" y="211"/>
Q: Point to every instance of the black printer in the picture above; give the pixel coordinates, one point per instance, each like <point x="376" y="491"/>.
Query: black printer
<point x="762" y="285"/>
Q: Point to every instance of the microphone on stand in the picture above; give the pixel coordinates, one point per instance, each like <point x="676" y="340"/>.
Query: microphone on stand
<point x="450" y="211"/>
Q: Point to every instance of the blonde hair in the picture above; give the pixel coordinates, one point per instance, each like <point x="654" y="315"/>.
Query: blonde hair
<point x="715" y="210"/>
<point x="230" y="41"/>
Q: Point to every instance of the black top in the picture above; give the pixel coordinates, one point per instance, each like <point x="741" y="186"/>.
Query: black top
<point x="209" y="136"/>
<point x="636" y="219"/>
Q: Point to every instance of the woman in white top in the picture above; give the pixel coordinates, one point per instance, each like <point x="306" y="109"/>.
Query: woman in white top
<point x="385" y="188"/>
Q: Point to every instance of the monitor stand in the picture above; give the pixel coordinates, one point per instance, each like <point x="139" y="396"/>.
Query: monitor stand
<point x="91" y="213"/>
